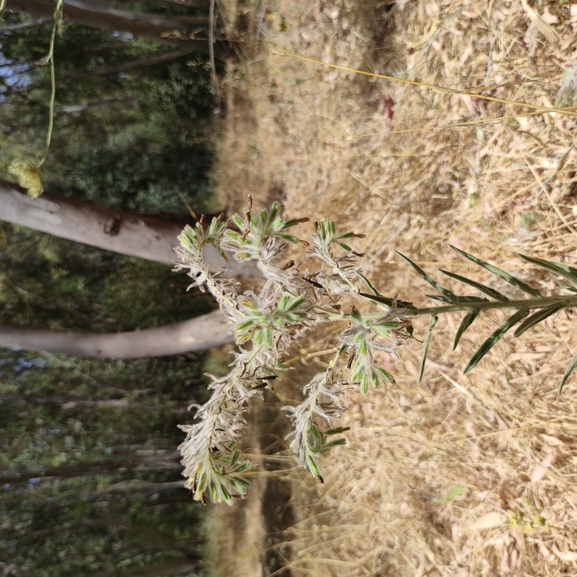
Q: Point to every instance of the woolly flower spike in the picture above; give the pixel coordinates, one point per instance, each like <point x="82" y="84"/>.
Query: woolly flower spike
<point x="267" y="323"/>
<point x="343" y="271"/>
<point x="366" y="334"/>
<point x="325" y="401"/>
<point x="259" y="234"/>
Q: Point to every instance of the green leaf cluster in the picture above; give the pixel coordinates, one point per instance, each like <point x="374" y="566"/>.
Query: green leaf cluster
<point x="473" y="306"/>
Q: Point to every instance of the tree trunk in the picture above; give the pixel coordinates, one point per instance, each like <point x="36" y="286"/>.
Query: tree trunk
<point x="99" y="14"/>
<point x="199" y="333"/>
<point x="126" y="233"/>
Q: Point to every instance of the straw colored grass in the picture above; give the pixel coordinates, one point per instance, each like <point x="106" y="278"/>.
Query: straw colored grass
<point x="417" y="169"/>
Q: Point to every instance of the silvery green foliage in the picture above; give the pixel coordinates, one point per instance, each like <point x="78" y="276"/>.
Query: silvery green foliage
<point x="291" y="302"/>
<point x="266" y="323"/>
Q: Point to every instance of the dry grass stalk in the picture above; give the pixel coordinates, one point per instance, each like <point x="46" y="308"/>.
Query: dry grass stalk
<point x="324" y="142"/>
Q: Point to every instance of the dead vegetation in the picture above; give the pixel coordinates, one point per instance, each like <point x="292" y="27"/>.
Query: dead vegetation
<point x="459" y="475"/>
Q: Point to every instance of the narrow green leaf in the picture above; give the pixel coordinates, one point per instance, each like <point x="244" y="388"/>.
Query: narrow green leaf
<point x="227" y="496"/>
<point x="283" y="302"/>
<point x="296" y="303"/>
<point x="447" y="293"/>
<point x="316" y="433"/>
<point x="567" y="272"/>
<point x="465" y="324"/>
<point x="240" y="488"/>
<point x="364" y="383"/>
<point x="342" y="350"/>
<point x="234" y="458"/>
<point x="499" y="272"/>
<point x="344" y="246"/>
<point x="385" y="374"/>
<point x="293" y="222"/>
<point x="289" y="238"/>
<point x="368" y="283"/>
<point x="243" y="325"/>
<point x="335" y="443"/>
<point x="572" y="366"/>
<point x="336" y="431"/>
<point x="274" y="211"/>
<point x="238" y="220"/>
<point x="495" y="338"/>
<point x="433" y="322"/>
<point x="480" y="287"/>
<point x="389" y="301"/>
<point x="314" y="468"/>
<point x="357" y="372"/>
<point x="537" y="317"/>
<point x="384" y="331"/>
<point x="242" y="482"/>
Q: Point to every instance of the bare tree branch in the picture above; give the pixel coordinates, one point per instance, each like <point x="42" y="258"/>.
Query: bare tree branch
<point x="132" y="234"/>
<point x="99" y="14"/>
<point x="199" y="333"/>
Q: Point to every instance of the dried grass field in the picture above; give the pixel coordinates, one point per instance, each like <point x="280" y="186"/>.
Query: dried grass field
<point x="460" y="475"/>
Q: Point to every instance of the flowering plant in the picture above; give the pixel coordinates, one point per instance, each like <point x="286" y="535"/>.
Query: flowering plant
<point x="266" y="323"/>
<point x="294" y="300"/>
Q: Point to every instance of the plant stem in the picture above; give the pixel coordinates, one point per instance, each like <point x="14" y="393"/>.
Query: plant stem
<point x="567" y="300"/>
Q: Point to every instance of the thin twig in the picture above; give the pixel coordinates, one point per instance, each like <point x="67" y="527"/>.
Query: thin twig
<point x="436" y="87"/>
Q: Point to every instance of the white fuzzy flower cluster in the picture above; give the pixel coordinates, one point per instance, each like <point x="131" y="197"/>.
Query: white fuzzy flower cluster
<point x="265" y="324"/>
